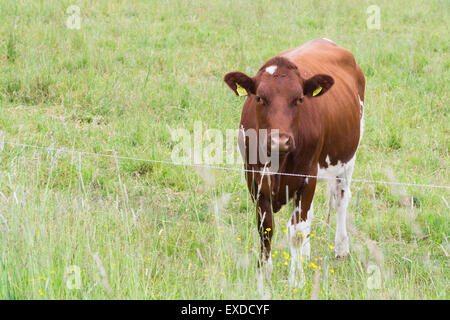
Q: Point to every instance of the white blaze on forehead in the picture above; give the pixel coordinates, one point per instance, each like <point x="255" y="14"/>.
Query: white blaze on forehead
<point x="271" y="69"/>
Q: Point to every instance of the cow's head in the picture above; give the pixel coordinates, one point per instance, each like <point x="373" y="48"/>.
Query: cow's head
<point x="278" y="92"/>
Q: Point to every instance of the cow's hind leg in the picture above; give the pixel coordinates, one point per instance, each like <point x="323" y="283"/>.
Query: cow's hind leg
<point x="342" y="195"/>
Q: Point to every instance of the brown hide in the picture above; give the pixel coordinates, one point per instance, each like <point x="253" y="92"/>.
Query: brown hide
<point x="311" y="95"/>
<point x="328" y="124"/>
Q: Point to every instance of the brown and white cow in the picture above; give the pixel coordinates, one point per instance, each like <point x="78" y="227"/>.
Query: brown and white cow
<point x="313" y="95"/>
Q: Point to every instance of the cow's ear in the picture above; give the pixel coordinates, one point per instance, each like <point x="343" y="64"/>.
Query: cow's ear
<point x="317" y="85"/>
<point x="240" y="83"/>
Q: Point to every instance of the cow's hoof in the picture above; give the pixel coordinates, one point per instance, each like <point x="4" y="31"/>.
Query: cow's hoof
<point x="341" y="249"/>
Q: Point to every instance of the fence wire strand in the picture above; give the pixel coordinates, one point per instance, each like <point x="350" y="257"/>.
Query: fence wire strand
<point x="206" y="166"/>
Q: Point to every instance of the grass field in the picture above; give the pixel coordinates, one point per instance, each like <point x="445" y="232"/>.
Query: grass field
<point x="139" y="230"/>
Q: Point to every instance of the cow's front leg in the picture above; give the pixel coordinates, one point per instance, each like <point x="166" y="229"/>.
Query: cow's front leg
<point x="265" y="230"/>
<point x="299" y="230"/>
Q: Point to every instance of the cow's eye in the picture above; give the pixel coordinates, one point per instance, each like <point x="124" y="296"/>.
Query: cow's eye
<point x="258" y="99"/>
<point x="300" y="100"/>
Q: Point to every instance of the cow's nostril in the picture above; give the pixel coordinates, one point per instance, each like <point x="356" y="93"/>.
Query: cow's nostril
<point x="283" y="143"/>
<point x="288" y="141"/>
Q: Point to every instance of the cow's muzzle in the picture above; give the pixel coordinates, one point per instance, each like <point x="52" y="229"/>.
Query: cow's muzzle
<point x="284" y="143"/>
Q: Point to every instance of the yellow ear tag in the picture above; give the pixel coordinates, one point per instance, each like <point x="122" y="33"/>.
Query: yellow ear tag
<point x="241" y="91"/>
<point x="317" y="91"/>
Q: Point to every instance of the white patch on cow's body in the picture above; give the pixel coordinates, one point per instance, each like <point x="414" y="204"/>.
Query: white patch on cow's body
<point x="361" y="129"/>
<point x="271" y="69"/>
<point x="330" y="173"/>
<point x="299" y="244"/>
<point x="327" y="160"/>
<point x="328" y="40"/>
<point x="338" y="177"/>
<point x="361" y="105"/>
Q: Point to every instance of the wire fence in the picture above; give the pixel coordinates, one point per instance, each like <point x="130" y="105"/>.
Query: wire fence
<point x="242" y="170"/>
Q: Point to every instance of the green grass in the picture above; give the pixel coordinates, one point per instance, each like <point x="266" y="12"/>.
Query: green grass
<point x="135" y="68"/>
